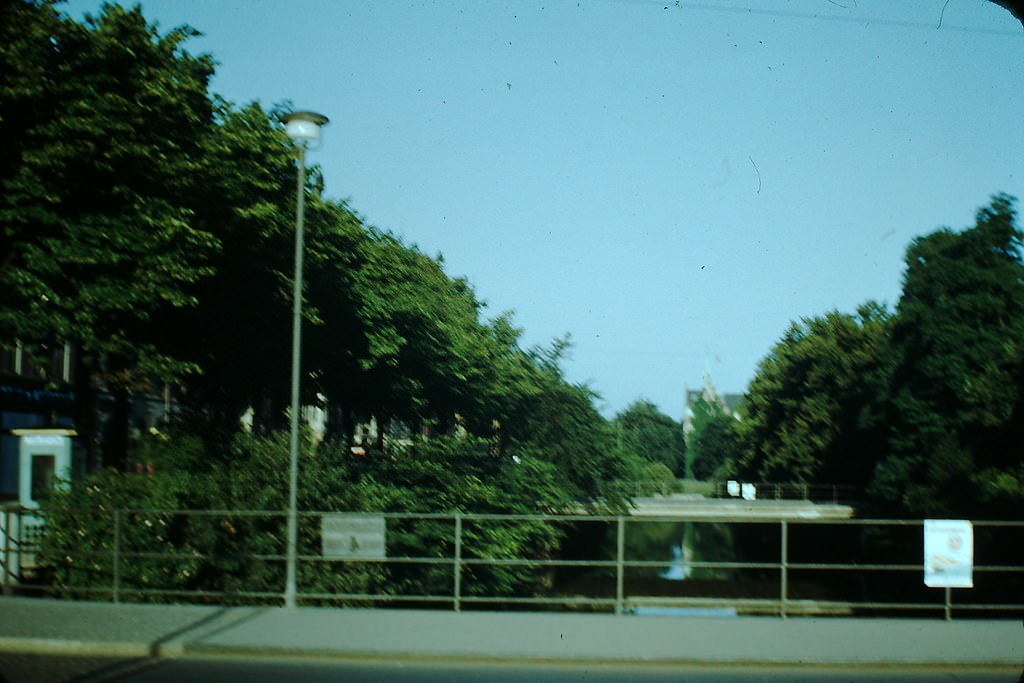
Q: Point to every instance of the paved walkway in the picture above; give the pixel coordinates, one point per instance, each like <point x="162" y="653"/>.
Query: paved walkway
<point x="39" y="626"/>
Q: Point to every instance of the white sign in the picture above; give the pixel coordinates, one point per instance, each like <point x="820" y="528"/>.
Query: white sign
<point x="749" y="491"/>
<point x="948" y="553"/>
<point x="353" y="537"/>
<point x="44" y="440"/>
<point x="732" y="487"/>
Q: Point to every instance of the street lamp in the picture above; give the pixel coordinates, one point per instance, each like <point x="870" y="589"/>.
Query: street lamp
<point x="304" y="128"/>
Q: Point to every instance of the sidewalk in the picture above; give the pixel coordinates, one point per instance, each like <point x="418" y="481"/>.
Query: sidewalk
<point x="39" y="626"/>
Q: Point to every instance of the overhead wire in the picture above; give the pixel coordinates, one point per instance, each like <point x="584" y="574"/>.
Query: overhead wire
<point x="789" y="14"/>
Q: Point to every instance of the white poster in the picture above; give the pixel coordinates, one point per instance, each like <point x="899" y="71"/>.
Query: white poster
<point x="948" y="553"/>
<point x="353" y="537"/>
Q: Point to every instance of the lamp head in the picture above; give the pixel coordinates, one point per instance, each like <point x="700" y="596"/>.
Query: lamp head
<point x="303" y="126"/>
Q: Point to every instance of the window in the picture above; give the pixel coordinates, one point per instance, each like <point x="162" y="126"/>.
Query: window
<point x="44" y="468"/>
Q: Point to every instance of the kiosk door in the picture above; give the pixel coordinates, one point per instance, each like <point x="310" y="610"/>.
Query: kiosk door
<point x="45" y="462"/>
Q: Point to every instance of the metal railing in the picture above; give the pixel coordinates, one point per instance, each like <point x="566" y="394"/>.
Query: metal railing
<point x="459" y="561"/>
<point x="821" y="493"/>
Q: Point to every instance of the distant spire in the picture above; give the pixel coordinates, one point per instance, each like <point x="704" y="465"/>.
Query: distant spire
<point x="710" y="394"/>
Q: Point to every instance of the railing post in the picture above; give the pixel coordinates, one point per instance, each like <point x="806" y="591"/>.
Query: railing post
<point x="7" y="552"/>
<point x="949" y="604"/>
<point x="783" y="568"/>
<point x="117" y="556"/>
<point x="620" y="553"/>
<point x="457" y="565"/>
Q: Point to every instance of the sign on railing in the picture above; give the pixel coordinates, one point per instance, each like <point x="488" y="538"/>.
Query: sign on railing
<point x="948" y="553"/>
<point x="353" y="537"/>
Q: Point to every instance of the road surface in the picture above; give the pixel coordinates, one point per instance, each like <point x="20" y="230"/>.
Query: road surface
<point x="48" y="669"/>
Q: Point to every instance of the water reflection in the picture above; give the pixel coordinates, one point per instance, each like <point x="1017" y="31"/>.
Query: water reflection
<point x="682" y="545"/>
<point x="680" y="568"/>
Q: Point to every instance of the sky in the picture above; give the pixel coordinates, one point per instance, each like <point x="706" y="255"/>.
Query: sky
<point x="671" y="184"/>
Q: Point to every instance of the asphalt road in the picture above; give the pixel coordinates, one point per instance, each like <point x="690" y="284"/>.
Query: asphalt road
<point x="68" y="669"/>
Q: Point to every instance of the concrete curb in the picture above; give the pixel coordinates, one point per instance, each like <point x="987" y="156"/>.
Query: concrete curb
<point x="72" y="647"/>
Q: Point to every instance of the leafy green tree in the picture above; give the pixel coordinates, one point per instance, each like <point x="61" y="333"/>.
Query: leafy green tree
<point x="557" y="421"/>
<point x="714" y="447"/>
<point x="955" y="409"/>
<point x="103" y="125"/>
<point x="241" y="319"/>
<point x="809" y="407"/>
<point x="233" y="552"/>
<point x="170" y="555"/>
<point x="649" y="435"/>
<point x="462" y="474"/>
<point x="655" y="478"/>
<point x="423" y="333"/>
<point x="706" y="410"/>
<point x="151" y="223"/>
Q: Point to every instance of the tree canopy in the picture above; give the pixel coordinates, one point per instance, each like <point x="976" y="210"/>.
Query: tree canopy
<point x="104" y="124"/>
<point x="711" y="438"/>
<point x="650" y="436"/>
<point x="713" y="447"/>
<point x="150" y="223"/>
<point x="806" y="410"/>
<point x="955" y="403"/>
<point x="921" y="408"/>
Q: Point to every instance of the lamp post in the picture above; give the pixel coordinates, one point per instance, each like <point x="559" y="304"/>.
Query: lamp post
<point x="304" y="128"/>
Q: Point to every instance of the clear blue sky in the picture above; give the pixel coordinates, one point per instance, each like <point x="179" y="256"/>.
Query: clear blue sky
<point x="670" y="183"/>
